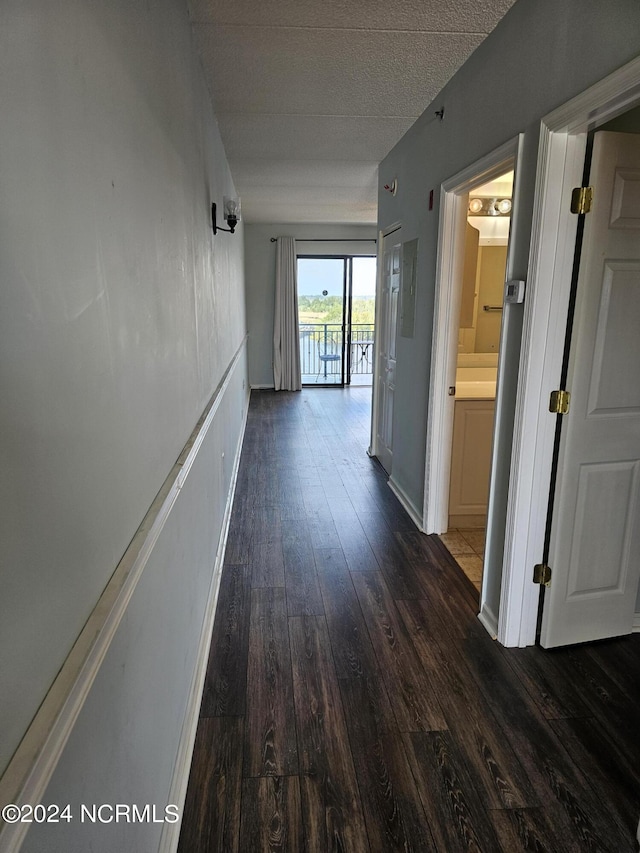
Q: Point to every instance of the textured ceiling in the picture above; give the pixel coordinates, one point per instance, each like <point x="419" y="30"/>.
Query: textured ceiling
<point x="310" y="96"/>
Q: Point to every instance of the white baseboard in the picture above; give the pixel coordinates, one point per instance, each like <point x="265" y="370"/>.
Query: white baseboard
<point x="489" y="620"/>
<point x="402" y="496"/>
<point x="262" y="387"/>
<point x="636" y="623"/>
<point x="171" y="831"/>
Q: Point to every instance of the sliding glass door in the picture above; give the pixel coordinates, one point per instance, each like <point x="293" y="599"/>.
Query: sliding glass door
<point x="336" y="308"/>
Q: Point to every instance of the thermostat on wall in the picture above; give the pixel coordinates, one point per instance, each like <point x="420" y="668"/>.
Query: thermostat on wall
<point x="514" y="291"/>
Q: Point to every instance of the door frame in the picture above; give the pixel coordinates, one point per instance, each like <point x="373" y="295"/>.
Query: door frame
<point x="561" y="153"/>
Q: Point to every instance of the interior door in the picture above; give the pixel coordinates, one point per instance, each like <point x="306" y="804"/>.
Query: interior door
<point x="594" y="548"/>
<point x="386" y="352"/>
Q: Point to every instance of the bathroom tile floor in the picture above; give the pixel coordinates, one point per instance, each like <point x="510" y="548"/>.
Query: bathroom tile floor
<point x="467" y="549"/>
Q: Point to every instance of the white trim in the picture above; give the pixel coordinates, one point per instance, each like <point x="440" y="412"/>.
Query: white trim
<point x="636" y="624"/>
<point x="545" y="313"/>
<point x="560" y="165"/>
<point x="453" y="213"/>
<point x="615" y="94"/>
<point x="489" y="620"/>
<point x="441" y="405"/>
<point x="171" y="831"/>
<point x="26" y="778"/>
<point x="264" y="386"/>
<point x="404" y="499"/>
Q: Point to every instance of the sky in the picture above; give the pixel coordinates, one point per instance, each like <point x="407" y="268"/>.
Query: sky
<point x="318" y="274"/>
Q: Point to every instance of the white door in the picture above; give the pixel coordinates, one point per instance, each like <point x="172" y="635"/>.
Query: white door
<point x="386" y="348"/>
<point x="595" y="535"/>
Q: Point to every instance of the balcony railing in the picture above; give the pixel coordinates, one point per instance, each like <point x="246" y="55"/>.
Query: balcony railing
<point x="321" y="352"/>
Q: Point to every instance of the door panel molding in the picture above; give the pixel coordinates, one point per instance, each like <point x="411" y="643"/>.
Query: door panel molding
<point x="617" y="315"/>
<point x="608" y="492"/>
<point x="626" y="198"/>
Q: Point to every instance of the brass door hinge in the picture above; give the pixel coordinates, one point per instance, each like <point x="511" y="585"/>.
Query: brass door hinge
<point x="581" y="200"/>
<point x="559" y="402"/>
<point x="542" y="574"/>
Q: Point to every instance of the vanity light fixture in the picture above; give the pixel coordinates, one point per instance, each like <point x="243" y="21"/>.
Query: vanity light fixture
<point x="480" y="206"/>
<point x="231" y="208"/>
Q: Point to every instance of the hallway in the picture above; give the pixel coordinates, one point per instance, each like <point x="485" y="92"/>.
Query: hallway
<point x="353" y="702"/>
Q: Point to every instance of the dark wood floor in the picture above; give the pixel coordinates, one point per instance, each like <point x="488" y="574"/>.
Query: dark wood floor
<point x="353" y="702"/>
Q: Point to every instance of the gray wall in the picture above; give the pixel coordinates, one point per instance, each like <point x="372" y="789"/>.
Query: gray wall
<point x="540" y="55"/>
<point x="260" y="261"/>
<point x="119" y="315"/>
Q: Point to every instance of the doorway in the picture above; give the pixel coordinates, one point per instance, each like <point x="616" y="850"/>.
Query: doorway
<point x="479" y="328"/>
<point x="336" y="318"/>
<point x="500" y="371"/>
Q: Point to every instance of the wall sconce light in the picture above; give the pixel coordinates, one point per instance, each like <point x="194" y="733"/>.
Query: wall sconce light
<point x="479" y="206"/>
<point x="231" y="209"/>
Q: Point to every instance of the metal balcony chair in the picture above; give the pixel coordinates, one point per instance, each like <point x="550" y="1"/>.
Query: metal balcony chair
<point x="326" y="355"/>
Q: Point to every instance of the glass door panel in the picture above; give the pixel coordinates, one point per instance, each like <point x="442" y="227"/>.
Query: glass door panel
<point x="362" y="328"/>
<point x="322" y="320"/>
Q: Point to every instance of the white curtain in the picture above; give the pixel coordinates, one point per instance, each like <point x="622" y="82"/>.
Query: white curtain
<point x="286" y="340"/>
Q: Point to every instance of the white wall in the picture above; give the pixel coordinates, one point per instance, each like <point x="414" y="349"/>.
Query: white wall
<point x="119" y="317"/>
<point x="533" y="62"/>
<point x="260" y="261"/>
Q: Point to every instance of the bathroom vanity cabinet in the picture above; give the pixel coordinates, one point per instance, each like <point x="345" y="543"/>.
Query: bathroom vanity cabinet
<point x="470" y="462"/>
